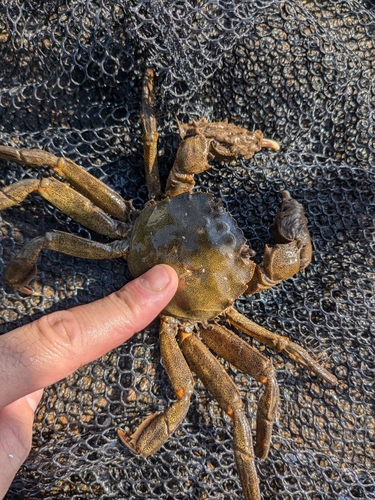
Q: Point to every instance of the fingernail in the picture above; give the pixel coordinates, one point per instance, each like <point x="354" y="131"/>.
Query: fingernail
<point x="156" y="279"/>
<point x="34" y="399"/>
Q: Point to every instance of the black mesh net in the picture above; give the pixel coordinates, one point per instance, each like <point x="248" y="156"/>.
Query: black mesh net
<point x="303" y="73"/>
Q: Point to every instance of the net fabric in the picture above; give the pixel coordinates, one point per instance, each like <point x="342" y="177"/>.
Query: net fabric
<point x="303" y="73"/>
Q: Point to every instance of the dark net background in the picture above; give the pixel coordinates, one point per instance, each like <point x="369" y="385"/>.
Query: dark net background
<point x="303" y="72"/>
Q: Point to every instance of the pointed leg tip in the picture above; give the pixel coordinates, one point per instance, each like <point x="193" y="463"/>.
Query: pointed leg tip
<point x="270" y="143"/>
<point x="331" y="379"/>
<point x="285" y="194"/>
<point x="124" y="438"/>
<point x="261" y="453"/>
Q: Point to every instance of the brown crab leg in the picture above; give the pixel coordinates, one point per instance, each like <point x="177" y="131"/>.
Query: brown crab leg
<point x="69" y="201"/>
<point x="22" y="268"/>
<point x="157" y="428"/>
<point x="86" y="184"/>
<point x="224" y="390"/>
<point x="249" y="360"/>
<point x="150" y="136"/>
<point x="191" y="159"/>
<point x="279" y="343"/>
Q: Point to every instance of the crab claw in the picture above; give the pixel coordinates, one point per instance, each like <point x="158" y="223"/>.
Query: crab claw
<point x="291" y="225"/>
<point x="270" y="143"/>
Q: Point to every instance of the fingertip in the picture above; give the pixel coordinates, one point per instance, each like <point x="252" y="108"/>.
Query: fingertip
<point x="34" y="398"/>
<point x="159" y="278"/>
<point x="147" y="295"/>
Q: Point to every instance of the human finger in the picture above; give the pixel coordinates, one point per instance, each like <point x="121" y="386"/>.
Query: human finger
<point x="50" y="348"/>
<point x="16" y="422"/>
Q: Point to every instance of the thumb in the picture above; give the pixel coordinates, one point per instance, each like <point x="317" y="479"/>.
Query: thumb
<point x="52" y="347"/>
<point x="16" y="422"/>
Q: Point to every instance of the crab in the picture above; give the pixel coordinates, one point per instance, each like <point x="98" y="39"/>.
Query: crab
<point x="192" y="232"/>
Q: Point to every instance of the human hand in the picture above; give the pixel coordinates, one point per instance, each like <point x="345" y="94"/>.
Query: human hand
<point x="54" y="346"/>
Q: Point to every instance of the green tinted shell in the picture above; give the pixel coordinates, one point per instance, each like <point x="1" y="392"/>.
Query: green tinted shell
<point x="202" y="242"/>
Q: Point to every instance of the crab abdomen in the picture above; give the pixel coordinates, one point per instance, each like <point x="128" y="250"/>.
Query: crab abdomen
<point x="202" y="242"/>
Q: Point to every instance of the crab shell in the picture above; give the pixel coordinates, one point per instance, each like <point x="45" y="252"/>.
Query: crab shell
<point x="195" y="235"/>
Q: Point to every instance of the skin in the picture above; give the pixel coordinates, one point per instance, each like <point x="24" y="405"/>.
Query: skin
<point x="52" y="347"/>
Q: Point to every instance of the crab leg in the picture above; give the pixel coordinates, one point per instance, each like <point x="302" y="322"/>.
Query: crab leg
<point x="22" y="268"/>
<point x="85" y="183"/>
<point x="249" y="360"/>
<point x="69" y="201"/>
<point x="157" y="428"/>
<point x="279" y="343"/>
<point x="150" y="136"/>
<point x="224" y="390"/>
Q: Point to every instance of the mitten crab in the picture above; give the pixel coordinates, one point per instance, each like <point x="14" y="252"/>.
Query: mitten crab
<point x="192" y="232"/>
